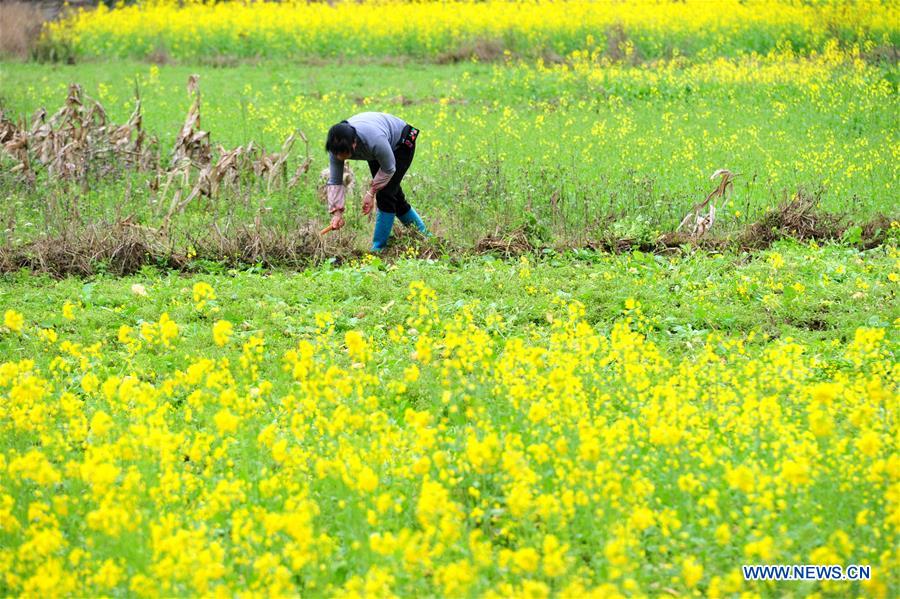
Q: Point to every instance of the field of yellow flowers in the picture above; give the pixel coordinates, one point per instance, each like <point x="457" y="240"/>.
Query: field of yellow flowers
<point x="573" y="425"/>
<point x="562" y="422"/>
<point x="640" y="28"/>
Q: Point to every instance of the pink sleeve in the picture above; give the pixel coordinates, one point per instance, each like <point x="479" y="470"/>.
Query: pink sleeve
<point x="335" y="197"/>
<point x="381" y="179"/>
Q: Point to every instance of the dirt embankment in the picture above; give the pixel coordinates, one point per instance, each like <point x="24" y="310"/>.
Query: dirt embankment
<point x="122" y="248"/>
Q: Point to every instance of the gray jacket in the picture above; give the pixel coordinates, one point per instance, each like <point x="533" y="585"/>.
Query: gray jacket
<point x="377" y="134"/>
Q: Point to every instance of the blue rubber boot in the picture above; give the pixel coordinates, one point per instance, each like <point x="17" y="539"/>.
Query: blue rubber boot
<point x="384" y="222"/>
<point x="413" y="218"/>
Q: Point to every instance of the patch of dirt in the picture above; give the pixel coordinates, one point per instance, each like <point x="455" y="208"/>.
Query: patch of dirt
<point x="511" y="243"/>
<point x="485" y="50"/>
<point x="20" y="28"/>
<point x="885" y="54"/>
<point x="619" y="46"/>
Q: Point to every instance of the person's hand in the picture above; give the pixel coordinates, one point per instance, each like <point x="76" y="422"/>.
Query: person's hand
<point x="337" y="219"/>
<point x="368" y="202"/>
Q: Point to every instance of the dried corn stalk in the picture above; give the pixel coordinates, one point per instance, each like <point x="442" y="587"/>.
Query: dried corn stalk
<point x="192" y="147"/>
<point x="77" y="141"/>
<point x="348" y="181"/>
<point x="303" y="167"/>
<point x="192" y="161"/>
<point x="192" y="150"/>
<point x="14" y="142"/>
<point x="699" y="224"/>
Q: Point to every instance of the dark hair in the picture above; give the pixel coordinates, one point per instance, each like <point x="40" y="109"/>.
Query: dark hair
<point x="340" y="138"/>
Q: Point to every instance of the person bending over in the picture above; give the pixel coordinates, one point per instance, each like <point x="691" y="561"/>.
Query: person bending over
<point x="388" y="144"/>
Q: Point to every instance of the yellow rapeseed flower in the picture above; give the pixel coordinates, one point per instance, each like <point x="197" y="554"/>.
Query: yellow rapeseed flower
<point x="13" y="320"/>
<point x="222" y="331"/>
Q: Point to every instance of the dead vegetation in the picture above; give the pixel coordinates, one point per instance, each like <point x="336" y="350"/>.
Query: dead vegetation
<point x="698" y="223"/>
<point x="874" y="232"/>
<point x="619" y="47"/>
<point x="348" y="181"/>
<point x="798" y="218"/>
<point x="194" y="166"/>
<point x="483" y="50"/>
<point x="79" y="144"/>
<point x="122" y="248"/>
<point x="76" y="143"/>
<point x="247" y="245"/>
<point x="507" y="243"/>
<point x="886" y="54"/>
<point x="119" y="248"/>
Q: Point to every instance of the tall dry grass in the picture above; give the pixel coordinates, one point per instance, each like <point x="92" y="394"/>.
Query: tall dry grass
<point x="20" y="27"/>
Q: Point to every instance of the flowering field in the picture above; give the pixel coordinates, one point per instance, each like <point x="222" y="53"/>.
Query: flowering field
<point x="255" y="409"/>
<point x="570" y="425"/>
<point x="645" y="28"/>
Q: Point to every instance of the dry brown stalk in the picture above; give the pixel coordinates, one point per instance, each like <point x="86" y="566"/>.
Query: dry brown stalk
<point x="76" y="142"/>
<point x="192" y="160"/>
<point x="509" y="243"/>
<point x="698" y="223"/>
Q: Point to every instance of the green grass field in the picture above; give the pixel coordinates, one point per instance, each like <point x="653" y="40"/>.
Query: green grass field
<point x="821" y="296"/>
<point x="549" y="425"/>
<point x="572" y="153"/>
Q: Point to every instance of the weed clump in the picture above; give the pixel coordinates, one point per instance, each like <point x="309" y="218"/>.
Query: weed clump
<point x="119" y="248"/>
<point x="799" y="218"/>
<point x="509" y="243"/>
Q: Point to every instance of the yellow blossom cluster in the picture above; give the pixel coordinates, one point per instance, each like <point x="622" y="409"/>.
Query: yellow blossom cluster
<point x="393" y="27"/>
<point x="444" y="457"/>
